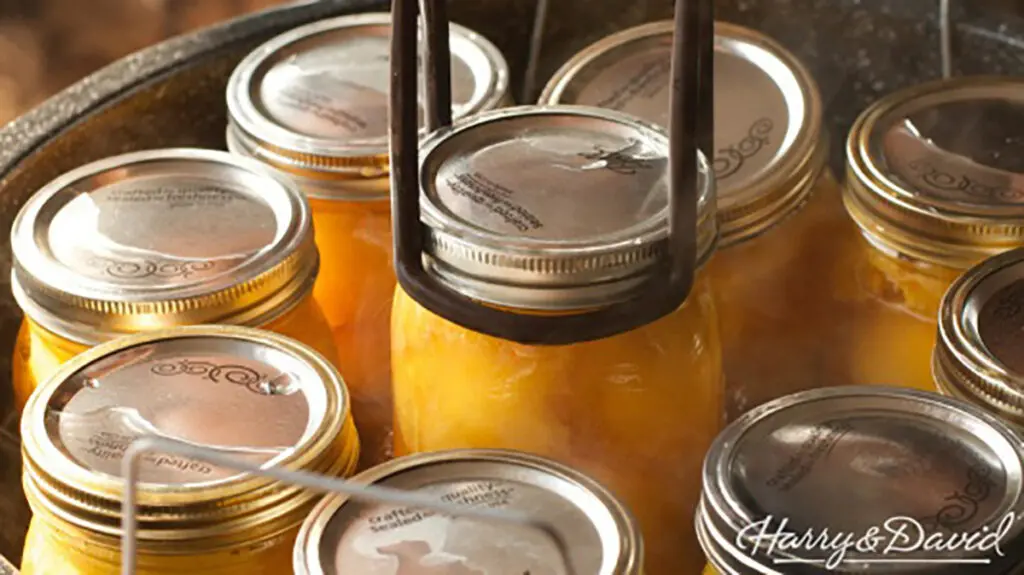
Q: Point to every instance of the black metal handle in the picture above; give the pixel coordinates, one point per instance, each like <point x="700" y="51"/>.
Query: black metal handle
<point x="690" y="125"/>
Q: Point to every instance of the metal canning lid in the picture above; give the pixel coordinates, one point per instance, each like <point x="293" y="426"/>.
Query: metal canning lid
<point x="769" y="149"/>
<point x="343" y="536"/>
<point x="162" y="238"/>
<point x="845" y="460"/>
<point x="314" y="99"/>
<point x="255" y="395"/>
<point x="979" y="356"/>
<point x="934" y="171"/>
<point x="551" y="207"/>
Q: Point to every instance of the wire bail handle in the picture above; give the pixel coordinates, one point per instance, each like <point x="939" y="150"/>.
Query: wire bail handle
<point x="690" y="126"/>
<point x="312" y="481"/>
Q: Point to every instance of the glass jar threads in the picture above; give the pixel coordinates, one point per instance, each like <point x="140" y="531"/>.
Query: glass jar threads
<point x="313" y="104"/>
<point x="343" y="536"/>
<point x="156" y="239"/>
<point x="778" y="205"/>
<point x="553" y="211"/>
<point x="218" y="387"/>
<point x="932" y="185"/>
<point x="895" y="480"/>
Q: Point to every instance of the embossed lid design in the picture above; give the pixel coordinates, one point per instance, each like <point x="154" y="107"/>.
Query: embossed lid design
<point x="849" y="459"/>
<point x="768" y="144"/>
<point x="255" y="395"/>
<point x="314" y="99"/>
<point x="935" y="171"/>
<point x="343" y="536"/>
<point x="552" y="207"/>
<point x="161" y="238"/>
<point x="980" y="352"/>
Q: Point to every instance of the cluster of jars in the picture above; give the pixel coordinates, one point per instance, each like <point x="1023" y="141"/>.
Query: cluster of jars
<point x="245" y="301"/>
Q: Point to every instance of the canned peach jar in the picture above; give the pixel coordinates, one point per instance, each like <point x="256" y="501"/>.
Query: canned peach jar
<point x="863" y="479"/>
<point x="933" y="183"/>
<point x="778" y="205"/>
<point x="157" y="239"/>
<point x="251" y="394"/>
<point x="343" y="536"/>
<point x="555" y="211"/>
<point x="312" y="103"/>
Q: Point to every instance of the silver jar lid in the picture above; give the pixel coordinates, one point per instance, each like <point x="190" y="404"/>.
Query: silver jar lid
<point x="314" y="99"/>
<point x="845" y="460"/>
<point x="552" y="207"/>
<point x="210" y="386"/>
<point x="343" y="536"/>
<point x="935" y="171"/>
<point x="769" y="149"/>
<point x="979" y="356"/>
<point x="162" y="238"/>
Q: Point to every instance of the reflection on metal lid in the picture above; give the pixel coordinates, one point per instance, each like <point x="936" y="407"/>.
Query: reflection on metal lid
<point x="316" y="97"/>
<point x="207" y="391"/>
<point x="535" y="206"/>
<point x="849" y="460"/>
<point x="936" y="171"/>
<point x="767" y="113"/>
<point x="161" y="238"/>
<point x="959" y="151"/>
<point x="256" y="396"/>
<point x="980" y="353"/>
<point x="343" y="536"/>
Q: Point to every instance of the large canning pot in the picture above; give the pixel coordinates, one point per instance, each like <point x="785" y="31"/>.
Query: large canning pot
<point x="173" y="94"/>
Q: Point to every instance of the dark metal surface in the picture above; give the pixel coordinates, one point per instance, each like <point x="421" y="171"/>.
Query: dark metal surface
<point x="434" y="14"/>
<point x="172" y="94"/>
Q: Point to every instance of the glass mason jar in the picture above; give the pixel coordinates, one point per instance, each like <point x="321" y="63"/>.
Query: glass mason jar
<point x="312" y="103"/>
<point x="860" y="464"/>
<point x="556" y="211"/>
<point x="778" y="204"/>
<point x="209" y="386"/>
<point x="978" y="356"/>
<point x="341" y="536"/>
<point x="157" y="239"/>
<point x="932" y="186"/>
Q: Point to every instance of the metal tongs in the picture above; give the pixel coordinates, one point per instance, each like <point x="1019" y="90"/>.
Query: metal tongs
<point x="312" y="481"/>
<point x="690" y="128"/>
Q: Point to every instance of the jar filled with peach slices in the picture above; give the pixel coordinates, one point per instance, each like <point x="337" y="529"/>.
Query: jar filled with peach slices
<point x="158" y="239"/>
<point x="551" y="213"/>
<point x="312" y="103"/>
<point x="934" y="185"/>
<point x="778" y="204"/>
<point x="249" y="394"/>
